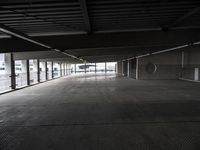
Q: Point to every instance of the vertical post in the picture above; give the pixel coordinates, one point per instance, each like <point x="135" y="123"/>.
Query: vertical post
<point x="75" y="68"/>
<point x="28" y="71"/>
<point x="52" y="70"/>
<point x="38" y="70"/>
<point x="122" y="68"/>
<point x="65" y="68"/>
<point x="196" y="74"/>
<point x="85" y="67"/>
<point x="182" y="65"/>
<point x="182" y="60"/>
<point x="60" y="69"/>
<point x="13" y="76"/>
<point x="128" y="67"/>
<point x="46" y="70"/>
<point x="105" y="67"/>
<point x="115" y="68"/>
<point x="95" y="67"/>
<point x="137" y="69"/>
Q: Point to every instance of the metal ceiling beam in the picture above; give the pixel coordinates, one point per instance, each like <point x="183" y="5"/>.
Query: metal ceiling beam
<point x="181" y="19"/>
<point x="18" y="34"/>
<point x="187" y="15"/>
<point x="84" y="9"/>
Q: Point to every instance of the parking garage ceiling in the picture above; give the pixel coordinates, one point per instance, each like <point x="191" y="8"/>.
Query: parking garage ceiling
<point x="100" y="30"/>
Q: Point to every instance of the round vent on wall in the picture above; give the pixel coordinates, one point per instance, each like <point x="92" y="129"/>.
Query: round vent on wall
<point x="151" y="68"/>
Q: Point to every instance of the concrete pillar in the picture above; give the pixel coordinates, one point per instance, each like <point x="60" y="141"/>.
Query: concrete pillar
<point x="119" y="68"/>
<point x="52" y="70"/>
<point x="65" y="69"/>
<point x="85" y="67"/>
<point x="122" y="68"/>
<point x="116" y="69"/>
<point x="196" y="74"/>
<point x="128" y="68"/>
<point x="75" y="68"/>
<point x="95" y="68"/>
<point x="137" y="69"/>
<point x="69" y="68"/>
<point x="182" y="59"/>
<point x="60" y="69"/>
<point x="46" y="69"/>
<point x="13" y="75"/>
<point x="63" y="66"/>
<point x="38" y="70"/>
<point x="28" y="71"/>
<point x="10" y="69"/>
<point x="105" y="67"/>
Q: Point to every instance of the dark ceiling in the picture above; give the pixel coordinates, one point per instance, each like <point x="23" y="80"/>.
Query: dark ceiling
<point x="99" y="30"/>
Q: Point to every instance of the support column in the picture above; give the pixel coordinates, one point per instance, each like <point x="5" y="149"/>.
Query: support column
<point x="105" y="67"/>
<point x="64" y="73"/>
<point x="10" y="69"/>
<point x="52" y="70"/>
<point x="65" y="69"/>
<point x="119" y="68"/>
<point x="122" y="68"/>
<point x="38" y="70"/>
<point x="28" y="71"/>
<point x="46" y="71"/>
<point x="75" y="68"/>
<point x="85" y="67"/>
<point x="115" y="68"/>
<point x="128" y="68"/>
<point x="95" y="68"/>
<point x="137" y="69"/>
<point x="60" y="69"/>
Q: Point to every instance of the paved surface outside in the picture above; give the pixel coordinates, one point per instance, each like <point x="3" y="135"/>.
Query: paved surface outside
<point x="102" y="113"/>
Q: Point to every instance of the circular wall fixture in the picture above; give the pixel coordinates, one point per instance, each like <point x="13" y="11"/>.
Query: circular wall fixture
<point x="151" y="68"/>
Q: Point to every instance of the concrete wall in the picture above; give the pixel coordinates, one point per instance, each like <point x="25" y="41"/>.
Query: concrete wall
<point x="191" y="60"/>
<point x="168" y="66"/>
<point x="184" y="63"/>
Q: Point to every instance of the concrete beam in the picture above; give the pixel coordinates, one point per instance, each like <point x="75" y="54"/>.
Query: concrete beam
<point x="38" y="55"/>
<point x="13" y="32"/>
<point x="103" y="40"/>
<point x="84" y="9"/>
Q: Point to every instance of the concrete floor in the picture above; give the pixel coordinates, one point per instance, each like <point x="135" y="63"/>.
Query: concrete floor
<point x="102" y="113"/>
